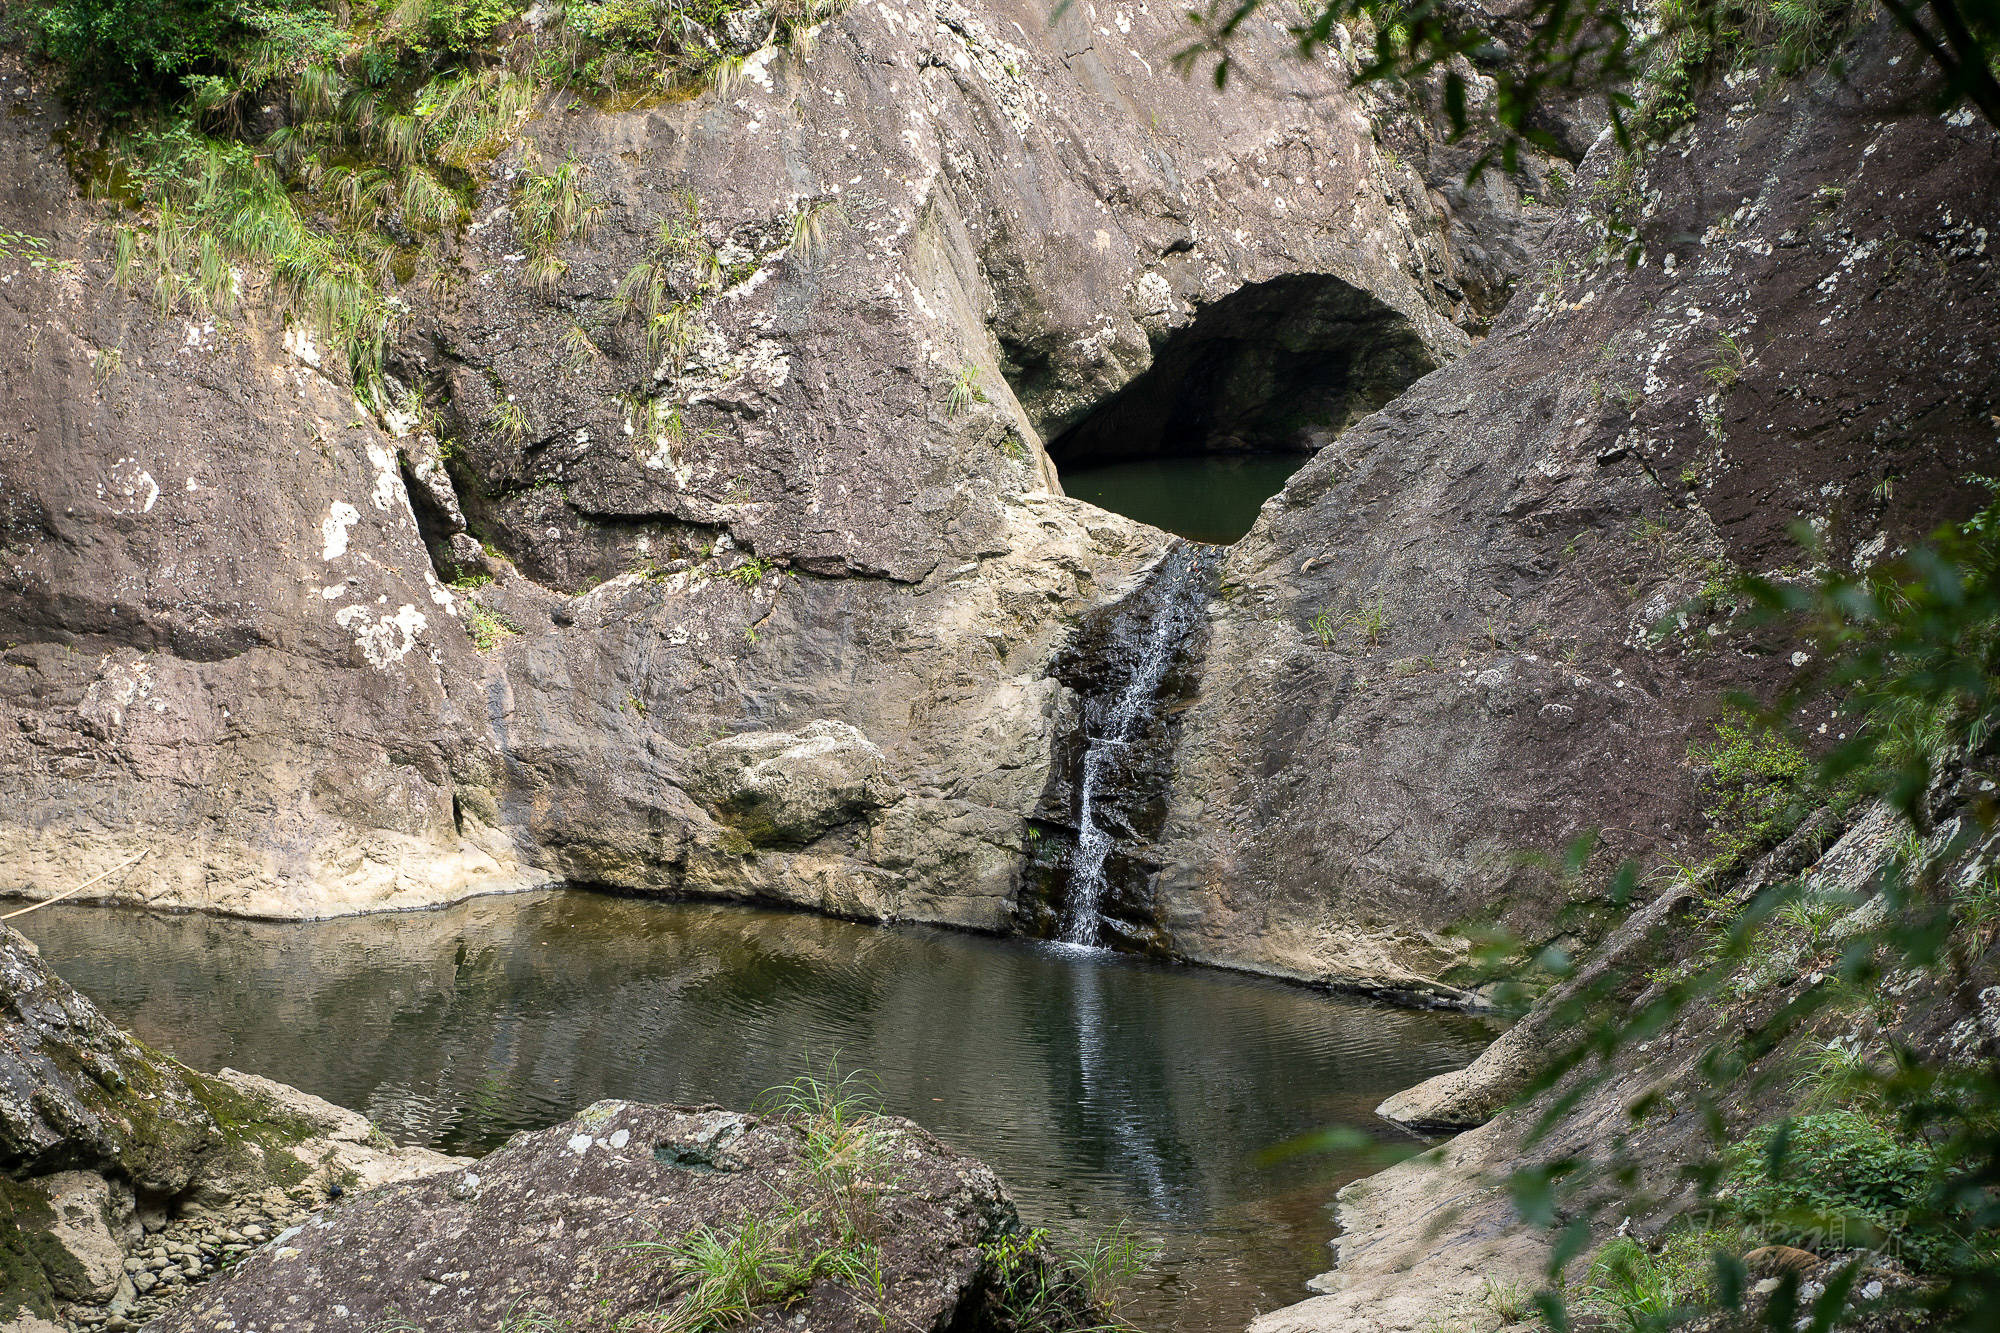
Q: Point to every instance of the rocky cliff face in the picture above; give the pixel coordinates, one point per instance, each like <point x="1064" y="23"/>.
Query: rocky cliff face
<point x="772" y="598"/>
<point x="1486" y="619"/>
<point x="773" y="604"/>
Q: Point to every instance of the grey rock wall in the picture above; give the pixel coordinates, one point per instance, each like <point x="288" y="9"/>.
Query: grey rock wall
<point x="1484" y="621"/>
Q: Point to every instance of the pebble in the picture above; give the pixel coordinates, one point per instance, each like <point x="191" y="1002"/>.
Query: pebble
<point x="179" y="1253"/>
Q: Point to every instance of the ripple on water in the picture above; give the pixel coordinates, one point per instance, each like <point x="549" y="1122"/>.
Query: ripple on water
<point x="1104" y="1089"/>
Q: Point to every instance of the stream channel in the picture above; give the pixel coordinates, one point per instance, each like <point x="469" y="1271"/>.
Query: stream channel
<point x="1103" y="1088"/>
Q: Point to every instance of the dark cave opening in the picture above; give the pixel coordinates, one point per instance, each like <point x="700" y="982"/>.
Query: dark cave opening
<point x="1236" y="401"/>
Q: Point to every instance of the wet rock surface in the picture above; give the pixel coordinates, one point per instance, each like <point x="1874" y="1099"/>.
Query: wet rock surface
<point x="556" y="1222"/>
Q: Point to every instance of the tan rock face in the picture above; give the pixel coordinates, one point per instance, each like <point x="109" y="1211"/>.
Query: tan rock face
<point x="226" y="635"/>
<point x="94" y="1222"/>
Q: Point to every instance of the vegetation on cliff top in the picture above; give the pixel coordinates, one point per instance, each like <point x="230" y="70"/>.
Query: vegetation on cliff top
<point x="338" y="151"/>
<point x="1641" y="62"/>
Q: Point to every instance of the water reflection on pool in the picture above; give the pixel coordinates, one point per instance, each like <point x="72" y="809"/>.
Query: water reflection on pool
<point x="1102" y="1089"/>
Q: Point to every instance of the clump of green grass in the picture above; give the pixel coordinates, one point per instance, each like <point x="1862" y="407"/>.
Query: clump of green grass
<point x="965" y="391"/>
<point x="1728" y="359"/>
<point x="826" y="1226"/>
<point x="509" y="419"/>
<point x="751" y="572"/>
<point x="486" y="628"/>
<point x="552" y="209"/>
<point x="384" y="130"/>
<point x="1371" y="620"/>
<point x="1051" y="1285"/>
<point x="1757" y="783"/>
<point x="1631" y="1287"/>
<point x="810" y="223"/>
<point x="760" y="1262"/>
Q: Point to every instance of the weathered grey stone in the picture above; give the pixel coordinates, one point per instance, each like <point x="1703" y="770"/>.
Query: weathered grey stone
<point x="1532" y="532"/>
<point x="88" y="1116"/>
<point x="788" y="788"/>
<point x="547" y="1225"/>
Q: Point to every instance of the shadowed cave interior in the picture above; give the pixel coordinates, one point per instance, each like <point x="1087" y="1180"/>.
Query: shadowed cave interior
<point x="1236" y="401"/>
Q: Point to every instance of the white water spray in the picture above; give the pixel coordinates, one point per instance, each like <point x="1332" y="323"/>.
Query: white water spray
<point x="1175" y="615"/>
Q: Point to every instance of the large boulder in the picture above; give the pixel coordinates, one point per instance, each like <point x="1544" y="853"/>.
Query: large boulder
<point x="225" y="598"/>
<point x="589" y="1223"/>
<point x="788" y="788"/>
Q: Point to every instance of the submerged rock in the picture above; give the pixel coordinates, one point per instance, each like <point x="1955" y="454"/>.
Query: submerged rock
<point x="594" y="1222"/>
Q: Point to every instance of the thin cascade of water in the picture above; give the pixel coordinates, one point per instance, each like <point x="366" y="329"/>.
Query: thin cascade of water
<point x="1175" y="613"/>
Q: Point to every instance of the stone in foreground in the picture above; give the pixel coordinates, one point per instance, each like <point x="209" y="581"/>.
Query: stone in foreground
<point x="553" y="1228"/>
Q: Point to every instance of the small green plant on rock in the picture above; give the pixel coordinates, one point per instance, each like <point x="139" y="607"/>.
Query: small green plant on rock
<point x="1727" y="361"/>
<point x="751" y="572"/>
<point x="809" y="228"/>
<point x="551" y="209"/>
<point x="965" y="391"/>
<point x="487" y="628"/>
<point x="1757" y="782"/>
<point x="825" y="1228"/>
<point x="508" y="419"/>
<point x="1371" y="619"/>
<point x="1511" y="1302"/>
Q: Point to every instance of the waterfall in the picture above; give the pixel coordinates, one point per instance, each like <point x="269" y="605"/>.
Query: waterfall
<point x="1169" y="608"/>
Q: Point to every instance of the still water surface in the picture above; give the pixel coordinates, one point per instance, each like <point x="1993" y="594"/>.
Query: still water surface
<point x="1213" y="498"/>
<point x="1101" y="1088"/>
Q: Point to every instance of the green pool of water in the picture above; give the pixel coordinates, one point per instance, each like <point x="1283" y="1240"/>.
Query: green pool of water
<point x="1103" y="1089"/>
<point x="1212" y="498"/>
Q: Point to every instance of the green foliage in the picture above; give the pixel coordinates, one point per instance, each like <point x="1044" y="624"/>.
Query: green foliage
<point x="809" y="227"/>
<point x="826" y="1227"/>
<point x="129" y="46"/>
<point x="1049" y="1284"/>
<point x="965" y="391"/>
<point x="382" y="133"/>
<point x="485" y="627"/>
<point x="1840" y="1179"/>
<point x="456" y="26"/>
<point x="1630" y="1286"/>
<point x="1895" y="1144"/>
<point x="1727" y="362"/>
<point x="760" y="1262"/>
<point x="750" y="573"/>
<point x="1756" y="783"/>
<point x="551" y="209"/>
<point x="1645" y="63"/>
<point x="509" y="419"/>
<point x="30" y="249"/>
